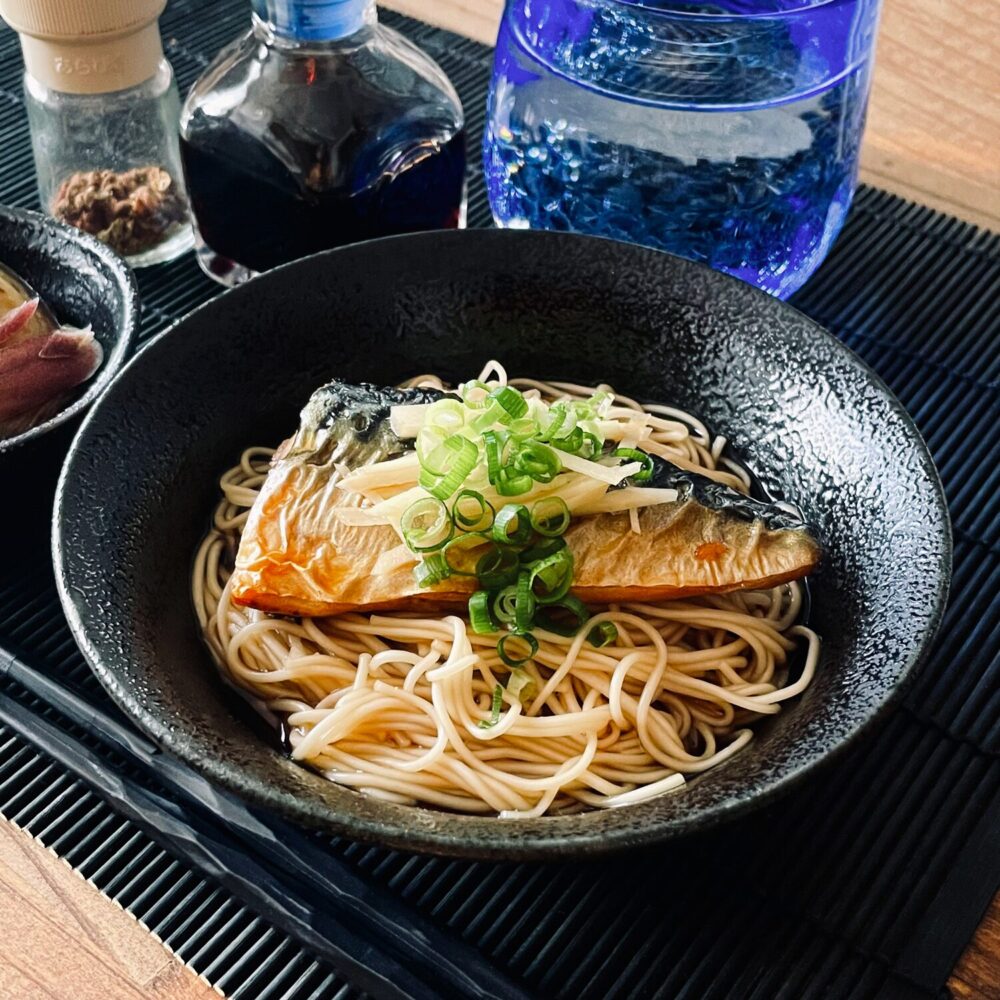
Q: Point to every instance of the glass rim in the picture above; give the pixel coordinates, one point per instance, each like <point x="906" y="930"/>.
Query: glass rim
<point x="776" y="11"/>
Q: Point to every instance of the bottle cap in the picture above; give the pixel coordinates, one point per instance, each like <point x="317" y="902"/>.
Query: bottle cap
<point x="315" y="20"/>
<point x="87" y="46"/>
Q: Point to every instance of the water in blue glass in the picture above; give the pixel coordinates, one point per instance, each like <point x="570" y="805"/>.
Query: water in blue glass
<point x="615" y="120"/>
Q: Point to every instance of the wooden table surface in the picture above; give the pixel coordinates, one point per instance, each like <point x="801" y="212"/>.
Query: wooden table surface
<point x="933" y="135"/>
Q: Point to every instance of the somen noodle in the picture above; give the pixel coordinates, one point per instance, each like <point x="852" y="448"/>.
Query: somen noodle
<point x="397" y="705"/>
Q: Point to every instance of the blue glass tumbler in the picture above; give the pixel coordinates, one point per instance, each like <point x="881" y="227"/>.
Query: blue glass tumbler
<point x="727" y="131"/>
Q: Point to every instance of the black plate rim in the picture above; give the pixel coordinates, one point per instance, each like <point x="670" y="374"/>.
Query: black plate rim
<point x="531" y="842"/>
<point x="129" y="326"/>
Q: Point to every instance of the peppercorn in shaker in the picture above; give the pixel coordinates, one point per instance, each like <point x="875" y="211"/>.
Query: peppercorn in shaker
<point x="103" y="109"/>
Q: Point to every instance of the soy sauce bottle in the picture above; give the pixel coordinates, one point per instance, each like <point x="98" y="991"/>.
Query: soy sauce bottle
<point x="316" y="128"/>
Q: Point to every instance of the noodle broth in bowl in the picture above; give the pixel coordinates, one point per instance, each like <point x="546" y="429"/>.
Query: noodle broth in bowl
<point x="502" y="613"/>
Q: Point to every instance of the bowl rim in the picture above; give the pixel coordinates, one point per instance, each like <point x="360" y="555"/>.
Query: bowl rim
<point x="533" y="840"/>
<point x="115" y="358"/>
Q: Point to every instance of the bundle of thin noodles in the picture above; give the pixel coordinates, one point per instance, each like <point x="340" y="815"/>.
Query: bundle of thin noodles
<point x="415" y="707"/>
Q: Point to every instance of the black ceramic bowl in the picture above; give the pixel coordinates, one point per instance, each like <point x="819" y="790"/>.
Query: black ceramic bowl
<point x="83" y="281"/>
<point x="816" y="425"/>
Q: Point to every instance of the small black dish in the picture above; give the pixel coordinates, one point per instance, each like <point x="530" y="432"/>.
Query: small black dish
<point x="83" y="282"/>
<point x="810" y="418"/>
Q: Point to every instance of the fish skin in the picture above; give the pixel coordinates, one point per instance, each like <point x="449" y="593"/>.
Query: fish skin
<point x="349" y="424"/>
<point x="296" y="557"/>
<point x="685" y="549"/>
<point x="342" y="424"/>
<point x="38" y="372"/>
<point x="718" y="496"/>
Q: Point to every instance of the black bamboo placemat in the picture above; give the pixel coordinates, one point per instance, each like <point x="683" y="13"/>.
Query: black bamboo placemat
<point x="866" y="883"/>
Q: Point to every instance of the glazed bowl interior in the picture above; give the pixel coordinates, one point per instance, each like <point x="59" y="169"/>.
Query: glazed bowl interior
<point x="83" y="283"/>
<point x="815" y="425"/>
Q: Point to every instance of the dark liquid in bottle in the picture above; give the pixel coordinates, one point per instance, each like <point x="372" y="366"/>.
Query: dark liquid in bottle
<point x="251" y="209"/>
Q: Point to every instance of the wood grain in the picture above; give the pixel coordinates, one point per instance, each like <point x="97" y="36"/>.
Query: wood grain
<point x="977" y="975"/>
<point x="60" y="938"/>
<point x="934" y="120"/>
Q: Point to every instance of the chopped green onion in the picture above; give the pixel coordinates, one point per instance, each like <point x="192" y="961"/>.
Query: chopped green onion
<point x="551" y="621"/>
<point x="442" y="459"/>
<point x="550" y="516"/>
<point x="603" y="634"/>
<point x="542" y="549"/>
<point x="426" y="525"/>
<point x="428" y="438"/>
<point x="524" y="606"/>
<point x="512" y="660"/>
<point x="479" y="613"/>
<point x="523" y="428"/>
<point x="520" y="684"/>
<point x="445" y="468"/>
<point x="591" y="447"/>
<point x="634" y="455"/>
<point x="518" y="556"/>
<point x="504" y="606"/>
<point x="445" y="414"/>
<point x="597" y="406"/>
<point x="494" y="709"/>
<point x="554" y="574"/>
<point x="493" y="445"/>
<point x="492" y="413"/>
<point x="471" y="511"/>
<point x="431" y="570"/>
<point x="561" y="421"/>
<point x="475" y="394"/>
<point x="512" y="524"/>
<point x="515" y="405"/>
<point x="579" y="442"/>
<point x="572" y="443"/>
<point x="538" y="461"/>
<point x="510" y="484"/>
<point x="600" y="402"/>
<point x="464" y="553"/>
<point x="498" y="568"/>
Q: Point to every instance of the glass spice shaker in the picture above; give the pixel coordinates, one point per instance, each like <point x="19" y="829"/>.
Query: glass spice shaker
<point x="318" y="127"/>
<point x="103" y="110"/>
